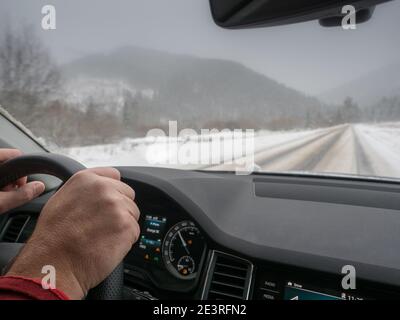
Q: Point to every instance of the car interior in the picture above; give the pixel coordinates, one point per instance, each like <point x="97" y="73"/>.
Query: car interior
<point x="217" y="235"/>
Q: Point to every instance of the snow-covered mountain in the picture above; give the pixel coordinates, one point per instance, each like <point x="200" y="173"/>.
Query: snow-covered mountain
<point x="368" y="89"/>
<point x="180" y="85"/>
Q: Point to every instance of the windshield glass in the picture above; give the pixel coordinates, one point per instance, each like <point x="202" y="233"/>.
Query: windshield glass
<point x="158" y="83"/>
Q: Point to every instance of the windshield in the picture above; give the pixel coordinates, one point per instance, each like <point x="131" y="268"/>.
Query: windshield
<point x="157" y="83"/>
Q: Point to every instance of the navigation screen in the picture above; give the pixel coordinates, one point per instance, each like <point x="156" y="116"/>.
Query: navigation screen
<point x="296" y="291"/>
<point x="151" y="238"/>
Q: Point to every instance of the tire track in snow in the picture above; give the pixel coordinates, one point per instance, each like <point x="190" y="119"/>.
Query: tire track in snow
<point x="268" y="159"/>
<point x="340" y="158"/>
<point x="311" y="163"/>
<point x="294" y="154"/>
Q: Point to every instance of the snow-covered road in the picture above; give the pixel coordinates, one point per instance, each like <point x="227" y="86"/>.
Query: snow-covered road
<point x="367" y="149"/>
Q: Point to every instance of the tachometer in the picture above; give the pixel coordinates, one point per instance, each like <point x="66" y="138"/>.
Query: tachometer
<point x="183" y="249"/>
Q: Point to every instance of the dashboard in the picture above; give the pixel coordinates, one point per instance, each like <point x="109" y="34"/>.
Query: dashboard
<point x="264" y="237"/>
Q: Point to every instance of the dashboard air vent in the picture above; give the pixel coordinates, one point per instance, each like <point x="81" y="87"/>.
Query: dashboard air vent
<point x="229" y="278"/>
<point x="14" y="228"/>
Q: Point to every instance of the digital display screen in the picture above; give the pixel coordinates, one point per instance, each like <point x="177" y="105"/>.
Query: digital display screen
<point x="296" y="291"/>
<point x="151" y="238"/>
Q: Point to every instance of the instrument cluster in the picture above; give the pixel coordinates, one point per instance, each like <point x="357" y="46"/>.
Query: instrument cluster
<point x="169" y="252"/>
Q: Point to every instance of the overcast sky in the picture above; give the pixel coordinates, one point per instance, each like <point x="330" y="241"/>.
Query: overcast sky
<point x="303" y="56"/>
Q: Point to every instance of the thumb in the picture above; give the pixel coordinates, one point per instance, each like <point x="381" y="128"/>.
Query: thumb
<point x="17" y="197"/>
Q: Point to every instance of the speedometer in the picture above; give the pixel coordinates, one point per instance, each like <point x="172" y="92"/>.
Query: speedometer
<point x="183" y="249"/>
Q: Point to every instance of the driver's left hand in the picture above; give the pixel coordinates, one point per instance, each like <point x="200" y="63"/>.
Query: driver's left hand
<point x="20" y="192"/>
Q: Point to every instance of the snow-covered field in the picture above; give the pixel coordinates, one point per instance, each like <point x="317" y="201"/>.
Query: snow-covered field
<point x="383" y="141"/>
<point x="368" y="149"/>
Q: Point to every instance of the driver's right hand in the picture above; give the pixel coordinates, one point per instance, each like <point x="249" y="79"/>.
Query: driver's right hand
<point x="84" y="231"/>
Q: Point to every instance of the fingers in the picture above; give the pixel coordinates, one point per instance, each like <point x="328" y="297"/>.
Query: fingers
<point x="128" y="196"/>
<point x="134" y="214"/>
<point x="107" y="172"/>
<point x="123" y="188"/>
<point x="13" y="199"/>
<point x="132" y="208"/>
<point x="7" y="154"/>
<point x="135" y="233"/>
<point x="20" y="182"/>
<point x="108" y="181"/>
<point x="10" y="187"/>
<point x="106" y="177"/>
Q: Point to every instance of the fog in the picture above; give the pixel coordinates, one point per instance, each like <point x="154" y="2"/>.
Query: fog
<point x="305" y="56"/>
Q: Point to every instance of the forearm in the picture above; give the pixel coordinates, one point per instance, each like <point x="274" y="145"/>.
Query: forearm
<point x="32" y="258"/>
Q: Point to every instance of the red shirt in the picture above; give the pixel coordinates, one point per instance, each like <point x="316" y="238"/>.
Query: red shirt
<point x="20" y="288"/>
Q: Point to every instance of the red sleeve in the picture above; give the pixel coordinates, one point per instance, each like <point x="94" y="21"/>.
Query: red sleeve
<point x="20" y="288"/>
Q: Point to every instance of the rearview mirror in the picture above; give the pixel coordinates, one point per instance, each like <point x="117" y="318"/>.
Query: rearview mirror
<point x="237" y="14"/>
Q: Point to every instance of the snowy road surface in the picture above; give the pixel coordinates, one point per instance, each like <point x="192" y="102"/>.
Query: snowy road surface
<point x="366" y="149"/>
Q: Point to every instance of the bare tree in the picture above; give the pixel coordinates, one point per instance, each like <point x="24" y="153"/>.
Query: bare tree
<point x="28" y="76"/>
<point x="30" y="89"/>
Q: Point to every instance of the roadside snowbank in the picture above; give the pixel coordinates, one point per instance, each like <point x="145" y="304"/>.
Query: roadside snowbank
<point x="383" y="140"/>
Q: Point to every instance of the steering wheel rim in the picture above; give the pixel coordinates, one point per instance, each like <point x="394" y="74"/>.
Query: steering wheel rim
<point x="63" y="168"/>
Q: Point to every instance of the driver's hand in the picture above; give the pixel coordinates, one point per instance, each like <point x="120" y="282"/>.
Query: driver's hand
<point x="84" y="231"/>
<point x="20" y="192"/>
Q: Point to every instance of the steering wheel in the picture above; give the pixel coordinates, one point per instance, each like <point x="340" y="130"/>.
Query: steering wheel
<point x="63" y="168"/>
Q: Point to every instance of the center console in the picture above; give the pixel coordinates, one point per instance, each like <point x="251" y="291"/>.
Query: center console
<point x="280" y="283"/>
